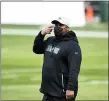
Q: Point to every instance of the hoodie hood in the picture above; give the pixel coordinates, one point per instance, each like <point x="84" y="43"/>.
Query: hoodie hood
<point x="68" y="36"/>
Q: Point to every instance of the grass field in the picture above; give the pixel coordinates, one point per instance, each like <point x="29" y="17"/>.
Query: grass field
<point x="21" y="69"/>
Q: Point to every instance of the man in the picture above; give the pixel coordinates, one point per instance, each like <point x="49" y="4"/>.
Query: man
<point x="62" y="60"/>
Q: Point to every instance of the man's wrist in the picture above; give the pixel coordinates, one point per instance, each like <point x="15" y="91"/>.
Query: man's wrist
<point x="70" y="88"/>
<point x="43" y="33"/>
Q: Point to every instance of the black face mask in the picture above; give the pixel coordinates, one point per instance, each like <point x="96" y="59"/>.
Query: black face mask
<point x="58" y="31"/>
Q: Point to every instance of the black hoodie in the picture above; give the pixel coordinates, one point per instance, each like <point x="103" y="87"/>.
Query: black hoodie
<point x="61" y="66"/>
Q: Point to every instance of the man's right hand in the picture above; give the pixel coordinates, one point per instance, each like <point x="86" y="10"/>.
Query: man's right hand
<point x="47" y="30"/>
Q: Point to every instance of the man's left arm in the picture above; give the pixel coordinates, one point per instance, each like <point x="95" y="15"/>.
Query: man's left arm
<point x="74" y="62"/>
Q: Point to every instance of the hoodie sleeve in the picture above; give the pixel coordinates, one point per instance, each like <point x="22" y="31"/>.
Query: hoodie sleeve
<point x="74" y="62"/>
<point x="39" y="44"/>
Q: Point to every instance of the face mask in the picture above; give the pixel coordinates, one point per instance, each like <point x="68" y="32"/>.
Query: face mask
<point x="58" y="31"/>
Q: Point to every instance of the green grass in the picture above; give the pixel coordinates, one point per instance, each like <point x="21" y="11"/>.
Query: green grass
<point x="21" y="69"/>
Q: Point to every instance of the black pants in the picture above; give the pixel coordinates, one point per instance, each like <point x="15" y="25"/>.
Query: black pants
<point x="52" y="98"/>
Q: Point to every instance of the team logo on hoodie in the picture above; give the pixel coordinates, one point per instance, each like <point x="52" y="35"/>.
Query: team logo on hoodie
<point x="51" y="49"/>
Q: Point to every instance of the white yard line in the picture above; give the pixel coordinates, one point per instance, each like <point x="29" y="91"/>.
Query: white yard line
<point x="37" y="78"/>
<point x="94" y="82"/>
<point x="18" y="76"/>
<point x="35" y="32"/>
<point x="92" y="34"/>
<point x="5" y="87"/>
<point x="22" y="70"/>
<point x="11" y="76"/>
<point x="20" y="87"/>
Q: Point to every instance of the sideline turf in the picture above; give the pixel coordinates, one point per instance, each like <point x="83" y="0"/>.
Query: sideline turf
<point x="21" y="68"/>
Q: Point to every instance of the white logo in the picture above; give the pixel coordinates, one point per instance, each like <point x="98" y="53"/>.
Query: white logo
<point x="76" y="52"/>
<point x="55" y="50"/>
<point x="49" y="48"/>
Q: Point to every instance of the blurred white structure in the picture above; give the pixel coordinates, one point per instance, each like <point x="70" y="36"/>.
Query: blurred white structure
<point x="42" y="12"/>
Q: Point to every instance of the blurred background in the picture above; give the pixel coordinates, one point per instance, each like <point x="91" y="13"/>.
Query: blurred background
<point x="21" y="68"/>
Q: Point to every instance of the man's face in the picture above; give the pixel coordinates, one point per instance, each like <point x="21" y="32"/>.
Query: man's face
<point x="64" y="27"/>
<point x="60" y="29"/>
